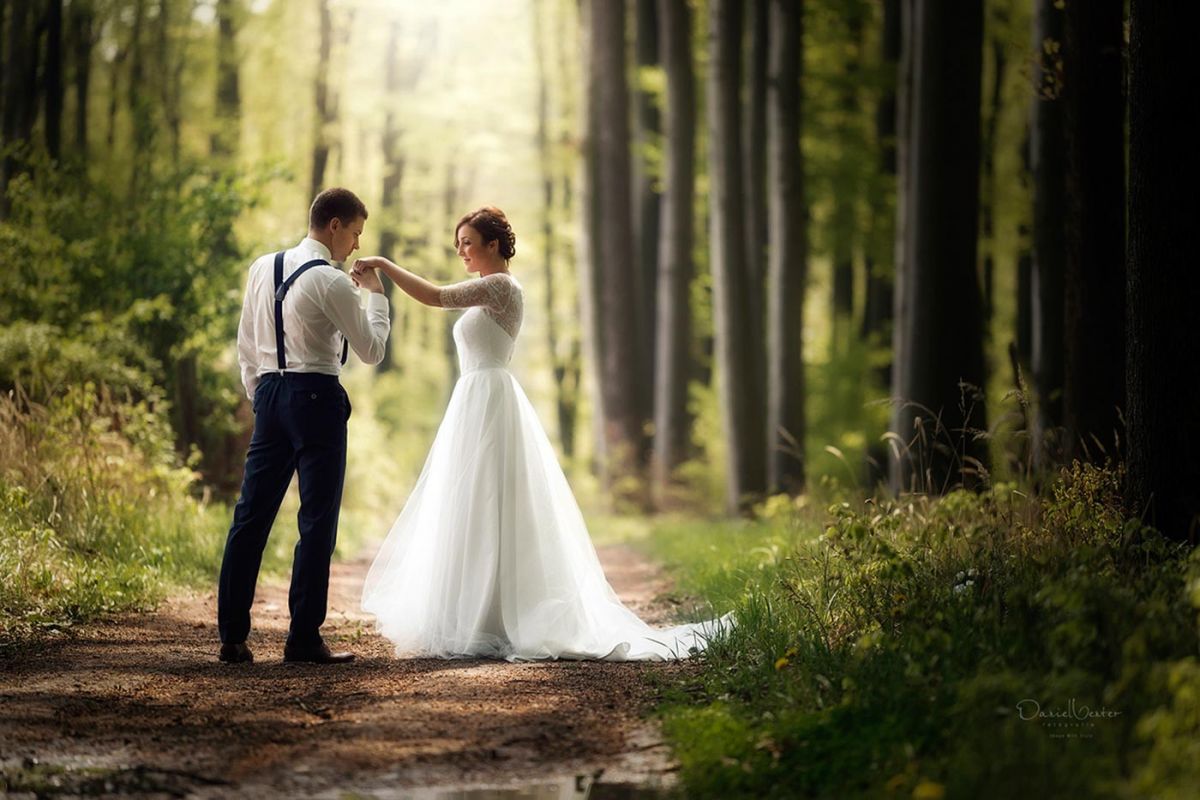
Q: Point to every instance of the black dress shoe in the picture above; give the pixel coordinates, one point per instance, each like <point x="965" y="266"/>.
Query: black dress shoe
<point x="236" y="653"/>
<point x="317" y="654"/>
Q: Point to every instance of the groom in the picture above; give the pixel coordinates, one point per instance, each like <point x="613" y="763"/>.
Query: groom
<point x="299" y="317"/>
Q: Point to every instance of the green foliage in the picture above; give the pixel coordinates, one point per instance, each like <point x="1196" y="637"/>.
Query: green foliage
<point x="44" y="361"/>
<point x="131" y="290"/>
<point x="95" y="513"/>
<point x="903" y="649"/>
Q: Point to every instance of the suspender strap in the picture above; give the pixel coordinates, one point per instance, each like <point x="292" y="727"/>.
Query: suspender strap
<point x="281" y="290"/>
<point x="280" y="357"/>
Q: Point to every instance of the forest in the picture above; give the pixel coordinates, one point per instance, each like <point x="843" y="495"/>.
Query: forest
<point x="867" y="320"/>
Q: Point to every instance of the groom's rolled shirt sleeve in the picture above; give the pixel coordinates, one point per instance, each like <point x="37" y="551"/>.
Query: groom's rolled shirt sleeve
<point x="366" y="330"/>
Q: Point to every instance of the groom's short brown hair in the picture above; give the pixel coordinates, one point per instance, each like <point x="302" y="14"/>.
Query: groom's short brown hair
<point x="337" y="202"/>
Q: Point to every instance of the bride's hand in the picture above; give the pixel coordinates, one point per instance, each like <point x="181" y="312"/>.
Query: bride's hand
<point x="362" y="265"/>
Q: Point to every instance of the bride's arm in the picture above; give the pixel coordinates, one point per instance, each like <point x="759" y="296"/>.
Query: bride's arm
<point x="415" y="286"/>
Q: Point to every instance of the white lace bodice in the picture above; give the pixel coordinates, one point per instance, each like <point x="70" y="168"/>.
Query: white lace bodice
<point x="486" y="334"/>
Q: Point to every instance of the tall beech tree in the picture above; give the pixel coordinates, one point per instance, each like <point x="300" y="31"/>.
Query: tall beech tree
<point x="745" y="465"/>
<point x="940" y="315"/>
<point x="610" y="229"/>
<point x="1048" y="162"/>
<point x="1163" y="386"/>
<point x="647" y="205"/>
<point x="787" y="267"/>
<point x="1094" y="316"/>
<point x="672" y="422"/>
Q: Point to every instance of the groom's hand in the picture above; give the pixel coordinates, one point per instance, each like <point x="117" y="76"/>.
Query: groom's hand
<point x="366" y="278"/>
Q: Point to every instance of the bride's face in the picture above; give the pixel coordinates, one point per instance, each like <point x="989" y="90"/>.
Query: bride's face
<point x="471" y="249"/>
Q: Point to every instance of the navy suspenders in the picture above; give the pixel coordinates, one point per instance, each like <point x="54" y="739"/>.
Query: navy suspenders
<point x="281" y="290"/>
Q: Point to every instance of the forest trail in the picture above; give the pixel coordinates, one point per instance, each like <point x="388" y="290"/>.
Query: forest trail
<point x="143" y="700"/>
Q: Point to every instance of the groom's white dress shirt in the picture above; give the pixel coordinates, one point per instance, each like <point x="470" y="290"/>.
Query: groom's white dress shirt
<point x="321" y="306"/>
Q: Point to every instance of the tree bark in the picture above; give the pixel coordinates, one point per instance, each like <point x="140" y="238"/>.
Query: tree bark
<point x="549" y="182"/>
<point x="898" y="467"/>
<point x="942" y="322"/>
<point x="989" y="193"/>
<point x="572" y="358"/>
<point x="1048" y="157"/>
<point x="880" y="261"/>
<point x="754" y="146"/>
<point x="19" y="75"/>
<point x="788" y="263"/>
<point x="745" y="463"/>
<point x="140" y="107"/>
<point x="81" y="39"/>
<point x="225" y="137"/>
<point x="845" y="202"/>
<point x="611" y="239"/>
<point x="1163" y="386"/>
<point x="648" y="203"/>
<point x="672" y="422"/>
<point x="1094" y="366"/>
<point x="324" y="103"/>
<point x="393" y="171"/>
<point x="53" y="76"/>
<point x="877" y="315"/>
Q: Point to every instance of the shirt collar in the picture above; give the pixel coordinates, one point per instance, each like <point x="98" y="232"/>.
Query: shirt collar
<point x="309" y="243"/>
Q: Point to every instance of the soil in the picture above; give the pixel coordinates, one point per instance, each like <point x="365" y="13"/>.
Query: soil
<point x="140" y="705"/>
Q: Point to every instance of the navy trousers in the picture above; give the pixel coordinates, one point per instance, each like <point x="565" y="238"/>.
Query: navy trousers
<point x="299" y="426"/>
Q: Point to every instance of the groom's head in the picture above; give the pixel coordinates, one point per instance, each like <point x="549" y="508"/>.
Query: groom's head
<point x="336" y="220"/>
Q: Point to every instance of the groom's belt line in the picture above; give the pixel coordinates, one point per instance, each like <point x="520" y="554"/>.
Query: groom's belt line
<point x="303" y="379"/>
<point x="281" y="290"/>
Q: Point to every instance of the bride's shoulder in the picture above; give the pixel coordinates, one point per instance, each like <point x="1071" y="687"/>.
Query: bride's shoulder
<point x="505" y="282"/>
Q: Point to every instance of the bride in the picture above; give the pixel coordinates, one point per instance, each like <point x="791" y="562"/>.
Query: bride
<point x="490" y="555"/>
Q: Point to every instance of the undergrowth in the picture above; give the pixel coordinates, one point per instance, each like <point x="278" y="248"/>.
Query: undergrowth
<point x="984" y="644"/>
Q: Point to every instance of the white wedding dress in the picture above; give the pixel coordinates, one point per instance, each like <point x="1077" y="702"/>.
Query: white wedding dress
<point x="490" y="555"/>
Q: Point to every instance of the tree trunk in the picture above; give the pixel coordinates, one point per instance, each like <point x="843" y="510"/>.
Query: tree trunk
<point x="880" y="261"/>
<point x="568" y="397"/>
<point x="612" y="258"/>
<point x="989" y="193"/>
<point x="1163" y="386"/>
<point x="1048" y="157"/>
<point x="324" y="104"/>
<point x="787" y="268"/>
<point x="1094" y="367"/>
<point x="941" y="318"/>
<point x="745" y="464"/>
<point x="589" y="306"/>
<point x="845" y="202"/>
<point x="548" y="179"/>
<point x="82" y="41"/>
<point x="80" y="36"/>
<point x="877" y="314"/>
<point x="754" y="147"/>
<point x="899" y="467"/>
<point x="393" y="171"/>
<point x="19" y="74"/>
<point x="648" y="199"/>
<point x="140" y="108"/>
<point x="52" y="75"/>
<point x="672" y="422"/>
<point x="225" y="137"/>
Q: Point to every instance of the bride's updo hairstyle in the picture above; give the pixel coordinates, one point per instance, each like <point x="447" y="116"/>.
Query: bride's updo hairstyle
<point x="493" y="227"/>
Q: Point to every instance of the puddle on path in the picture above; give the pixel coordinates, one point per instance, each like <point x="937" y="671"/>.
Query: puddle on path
<point x="572" y="787"/>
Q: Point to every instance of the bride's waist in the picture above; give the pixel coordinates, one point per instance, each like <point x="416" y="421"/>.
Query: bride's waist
<point x="484" y="368"/>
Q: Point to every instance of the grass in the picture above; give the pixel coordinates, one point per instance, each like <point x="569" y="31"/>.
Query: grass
<point x="897" y="649"/>
<point x="96" y="515"/>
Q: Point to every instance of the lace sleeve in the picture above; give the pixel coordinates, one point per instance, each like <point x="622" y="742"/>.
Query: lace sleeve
<point x="499" y="294"/>
<point x="492" y="291"/>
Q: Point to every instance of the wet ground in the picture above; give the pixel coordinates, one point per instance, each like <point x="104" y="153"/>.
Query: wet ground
<point x="139" y="705"/>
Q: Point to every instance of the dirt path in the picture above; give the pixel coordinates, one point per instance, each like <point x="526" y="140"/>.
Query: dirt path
<point x="144" y="700"/>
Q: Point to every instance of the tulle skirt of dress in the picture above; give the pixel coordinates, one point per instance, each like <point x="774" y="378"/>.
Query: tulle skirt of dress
<point x="491" y="556"/>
